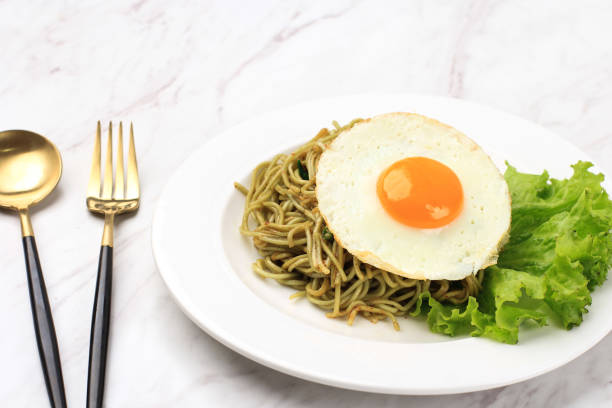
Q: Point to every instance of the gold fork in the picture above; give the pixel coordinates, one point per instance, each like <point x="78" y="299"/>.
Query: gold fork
<point x="102" y="199"/>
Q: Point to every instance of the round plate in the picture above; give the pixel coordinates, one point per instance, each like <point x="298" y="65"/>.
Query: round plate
<point x="206" y="263"/>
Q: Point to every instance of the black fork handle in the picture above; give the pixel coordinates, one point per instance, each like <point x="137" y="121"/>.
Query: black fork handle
<point x="43" y="326"/>
<point x="98" y="342"/>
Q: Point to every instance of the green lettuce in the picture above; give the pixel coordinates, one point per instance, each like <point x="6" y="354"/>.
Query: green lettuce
<point x="559" y="251"/>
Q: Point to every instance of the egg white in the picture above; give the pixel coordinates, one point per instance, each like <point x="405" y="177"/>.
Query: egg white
<point x="346" y="191"/>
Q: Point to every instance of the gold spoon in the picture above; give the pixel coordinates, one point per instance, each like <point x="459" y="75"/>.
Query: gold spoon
<point x="30" y="168"/>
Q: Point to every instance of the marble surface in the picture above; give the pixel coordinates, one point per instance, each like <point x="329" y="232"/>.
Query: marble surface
<point x="182" y="72"/>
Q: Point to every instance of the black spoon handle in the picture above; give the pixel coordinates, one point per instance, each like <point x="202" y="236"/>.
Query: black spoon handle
<point x="98" y="342"/>
<point x="43" y="325"/>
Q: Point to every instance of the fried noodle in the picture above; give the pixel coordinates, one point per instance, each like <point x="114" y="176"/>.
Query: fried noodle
<point x="297" y="250"/>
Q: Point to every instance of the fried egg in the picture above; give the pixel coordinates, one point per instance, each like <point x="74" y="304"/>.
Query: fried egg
<point x="414" y="197"/>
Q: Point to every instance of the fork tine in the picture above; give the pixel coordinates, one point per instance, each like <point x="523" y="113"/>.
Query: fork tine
<point x="133" y="188"/>
<point x="107" y="184"/>
<point x="93" y="188"/>
<point x="119" y="192"/>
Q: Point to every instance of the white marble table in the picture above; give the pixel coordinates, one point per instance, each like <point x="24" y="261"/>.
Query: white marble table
<point x="182" y="72"/>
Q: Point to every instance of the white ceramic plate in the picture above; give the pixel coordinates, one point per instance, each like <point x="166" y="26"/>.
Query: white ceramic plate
<point x="206" y="264"/>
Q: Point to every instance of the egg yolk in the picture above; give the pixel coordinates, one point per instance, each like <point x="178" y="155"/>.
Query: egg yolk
<point x="420" y="192"/>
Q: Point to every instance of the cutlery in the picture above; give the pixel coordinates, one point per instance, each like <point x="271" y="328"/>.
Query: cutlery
<point x="30" y="168"/>
<point x="103" y="199"/>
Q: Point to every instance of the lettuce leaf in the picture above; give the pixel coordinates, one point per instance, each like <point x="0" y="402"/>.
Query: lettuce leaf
<point x="560" y="249"/>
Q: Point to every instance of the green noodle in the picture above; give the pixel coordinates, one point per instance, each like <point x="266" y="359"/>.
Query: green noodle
<point x="282" y="217"/>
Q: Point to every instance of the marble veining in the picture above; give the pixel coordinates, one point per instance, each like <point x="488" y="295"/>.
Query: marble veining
<point x="184" y="71"/>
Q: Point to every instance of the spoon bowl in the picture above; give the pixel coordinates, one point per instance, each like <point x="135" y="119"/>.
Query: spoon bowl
<point x="30" y="168"/>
